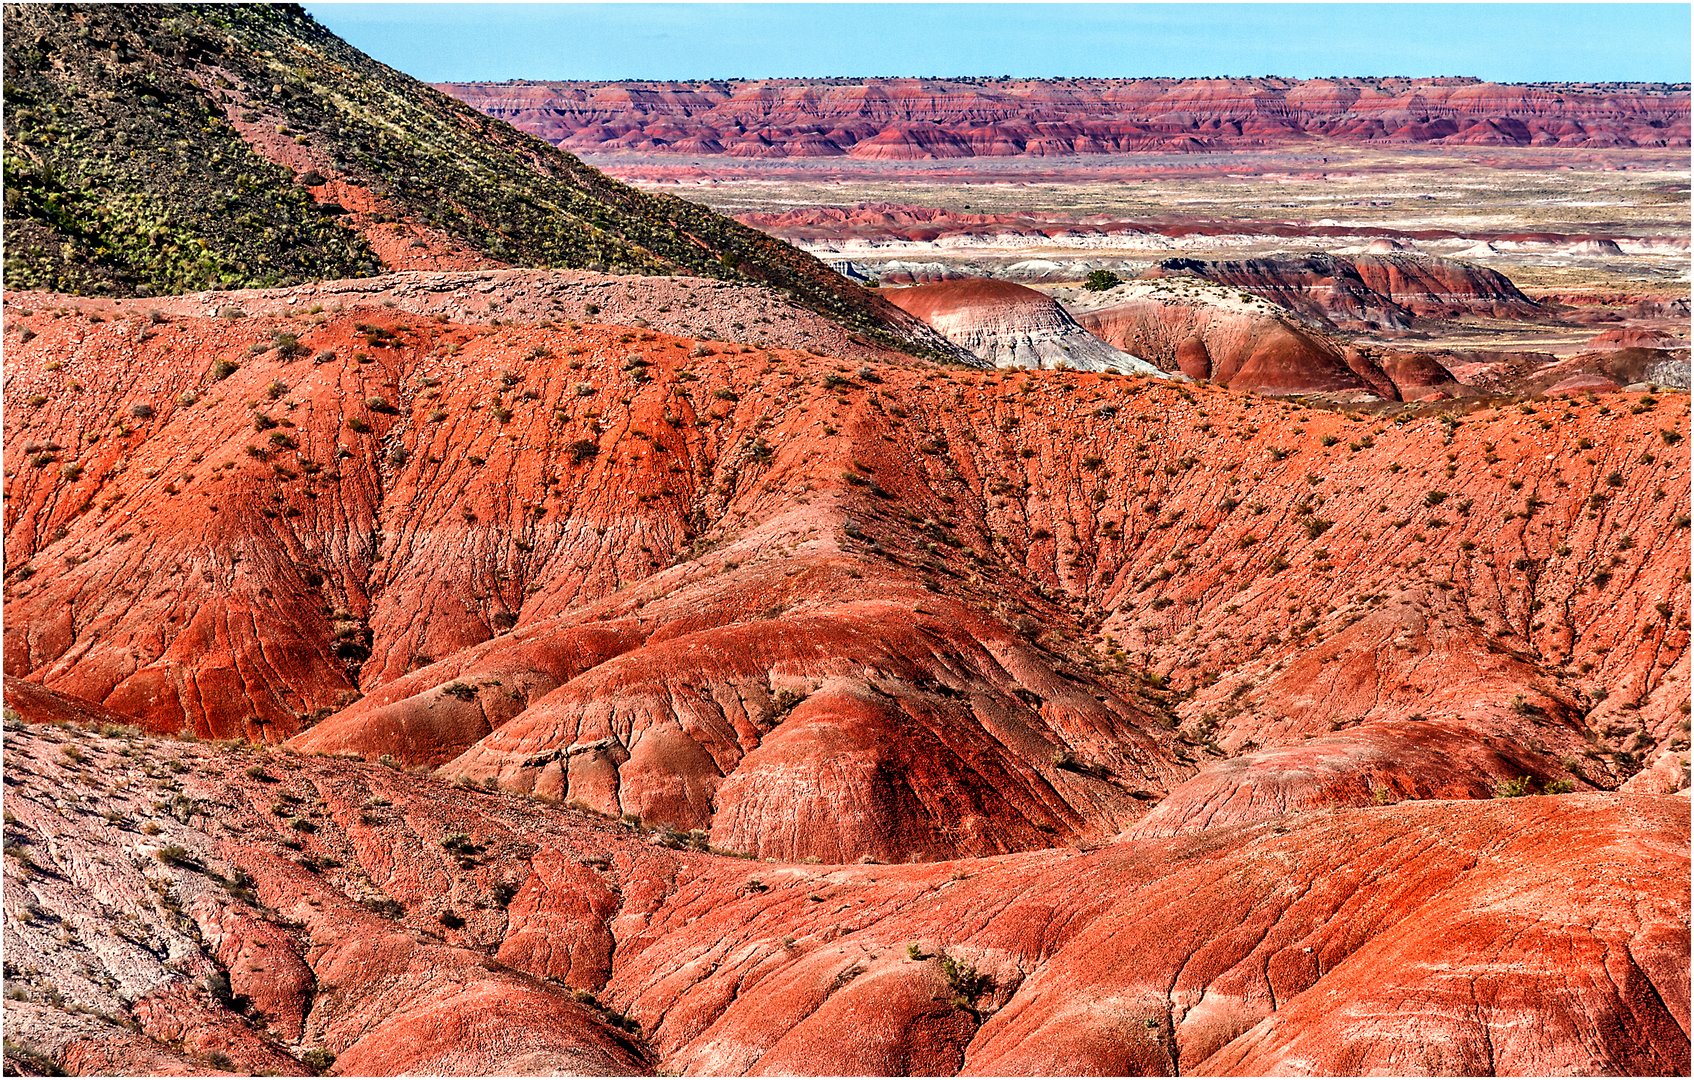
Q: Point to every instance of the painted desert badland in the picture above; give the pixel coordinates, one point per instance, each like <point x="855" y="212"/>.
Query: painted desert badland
<point x="846" y="577"/>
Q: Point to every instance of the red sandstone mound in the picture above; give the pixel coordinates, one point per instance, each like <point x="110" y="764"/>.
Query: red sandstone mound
<point x="1365" y="291"/>
<point x="908" y="119"/>
<point x="1416" y="376"/>
<point x="239" y="911"/>
<point x="1638" y="337"/>
<point x="748" y="707"/>
<point x="1206" y="331"/>
<point x="1208" y="334"/>
<point x="1632" y="367"/>
<point x="1011" y="326"/>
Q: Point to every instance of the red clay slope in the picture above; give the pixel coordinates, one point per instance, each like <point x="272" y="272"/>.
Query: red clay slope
<point x="825" y="608"/>
<point x="225" y="910"/>
<point x="1152" y="688"/>
<point x="906" y="119"/>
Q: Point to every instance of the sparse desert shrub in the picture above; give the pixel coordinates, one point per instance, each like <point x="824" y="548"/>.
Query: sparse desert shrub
<point x="966" y="983"/>
<point x="462" y="691"/>
<point x="1069" y="762"/>
<point x="317" y="1058"/>
<point x="288" y="345"/>
<point x="173" y="855"/>
<point x="459" y="843"/>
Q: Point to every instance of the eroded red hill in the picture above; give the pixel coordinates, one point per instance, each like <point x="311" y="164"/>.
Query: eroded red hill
<point x="1219" y="338"/>
<point x="221" y="909"/>
<point x="819" y="607"/>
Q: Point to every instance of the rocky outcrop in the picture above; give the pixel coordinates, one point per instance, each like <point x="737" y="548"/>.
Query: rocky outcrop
<point x="911" y="119"/>
<point x="1365" y="292"/>
<point x="1011" y="326"/>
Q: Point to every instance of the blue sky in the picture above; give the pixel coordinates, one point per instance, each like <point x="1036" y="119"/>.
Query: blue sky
<point x="1502" y="42"/>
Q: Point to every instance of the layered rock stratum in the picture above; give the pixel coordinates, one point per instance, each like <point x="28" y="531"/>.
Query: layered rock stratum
<point x="916" y="119"/>
<point x="1365" y="292"/>
<point x="1207" y="331"/>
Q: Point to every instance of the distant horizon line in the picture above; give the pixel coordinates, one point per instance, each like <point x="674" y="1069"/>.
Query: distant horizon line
<point x="1072" y="78"/>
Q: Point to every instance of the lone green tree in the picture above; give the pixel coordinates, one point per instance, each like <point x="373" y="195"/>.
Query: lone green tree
<point x="1101" y="280"/>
